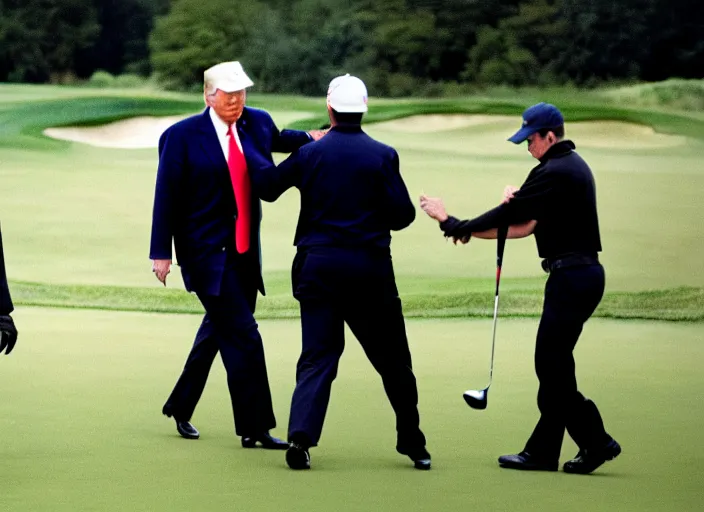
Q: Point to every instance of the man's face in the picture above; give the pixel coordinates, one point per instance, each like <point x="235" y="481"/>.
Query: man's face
<point x="538" y="145"/>
<point x="228" y="105"/>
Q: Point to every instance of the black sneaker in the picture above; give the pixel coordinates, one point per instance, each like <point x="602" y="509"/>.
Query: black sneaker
<point x="587" y="461"/>
<point x="297" y="457"/>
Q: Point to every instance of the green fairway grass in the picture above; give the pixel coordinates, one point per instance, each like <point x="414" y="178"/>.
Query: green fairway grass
<point x="76" y="218"/>
<point x="82" y="425"/>
<point x="97" y="356"/>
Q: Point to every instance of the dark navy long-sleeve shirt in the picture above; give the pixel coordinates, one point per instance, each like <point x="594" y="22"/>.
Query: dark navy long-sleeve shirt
<point x="352" y="193"/>
<point x="560" y="194"/>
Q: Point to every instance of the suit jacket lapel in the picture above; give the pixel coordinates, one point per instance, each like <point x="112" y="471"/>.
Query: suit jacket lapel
<point x="210" y="142"/>
<point x="243" y="133"/>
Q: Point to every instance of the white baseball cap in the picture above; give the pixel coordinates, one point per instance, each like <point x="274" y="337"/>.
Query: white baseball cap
<point x="227" y="76"/>
<point x="347" y="94"/>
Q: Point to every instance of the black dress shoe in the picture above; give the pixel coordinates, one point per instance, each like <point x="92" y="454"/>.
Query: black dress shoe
<point x="297" y="457"/>
<point x="526" y="461"/>
<point x="419" y="456"/>
<point x="184" y="428"/>
<point x="587" y="461"/>
<point x="187" y="430"/>
<point x="266" y="440"/>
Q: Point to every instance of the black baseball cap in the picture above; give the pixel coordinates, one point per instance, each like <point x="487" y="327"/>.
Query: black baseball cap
<point x="535" y="118"/>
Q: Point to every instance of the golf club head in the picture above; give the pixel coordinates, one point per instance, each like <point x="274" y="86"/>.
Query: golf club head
<point x="476" y="399"/>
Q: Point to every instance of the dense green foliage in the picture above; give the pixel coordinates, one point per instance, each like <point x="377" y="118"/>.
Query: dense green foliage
<point x="400" y="47"/>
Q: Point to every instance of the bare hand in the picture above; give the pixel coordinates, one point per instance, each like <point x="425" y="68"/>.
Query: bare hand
<point x="462" y="240"/>
<point x="434" y="207"/>
<point x="317" y="134"/>
<point x="509" y="190"/>
<point x="161" y="269"/>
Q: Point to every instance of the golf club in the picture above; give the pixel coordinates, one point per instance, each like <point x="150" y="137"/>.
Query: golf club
<point x="477" y="399"/>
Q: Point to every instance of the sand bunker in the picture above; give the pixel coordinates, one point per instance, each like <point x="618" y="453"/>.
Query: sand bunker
<point x="594" y="134"/>
<point x="133" y="133"/>
<point x="440" y="122"/>
<point x="144" y="132"/>
<point x="139" y="132"/>
<point x="617" y="134"/>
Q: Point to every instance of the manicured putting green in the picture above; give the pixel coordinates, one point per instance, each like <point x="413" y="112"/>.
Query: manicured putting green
<point x="82" y="428"/>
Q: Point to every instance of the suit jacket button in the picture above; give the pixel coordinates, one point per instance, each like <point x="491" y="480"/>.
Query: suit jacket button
<point x="223" y="248"/>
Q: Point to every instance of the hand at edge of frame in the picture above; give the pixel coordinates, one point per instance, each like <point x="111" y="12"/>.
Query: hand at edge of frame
<point x="8" y="334"/>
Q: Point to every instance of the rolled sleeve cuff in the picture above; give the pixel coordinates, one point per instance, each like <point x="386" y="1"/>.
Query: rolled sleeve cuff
<point x="449" y="225"/>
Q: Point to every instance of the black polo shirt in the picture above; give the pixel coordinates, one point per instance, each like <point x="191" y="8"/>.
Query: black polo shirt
<point x="560" y="194"/>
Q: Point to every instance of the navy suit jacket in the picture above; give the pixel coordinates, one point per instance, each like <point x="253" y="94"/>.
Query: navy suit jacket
<point x="352" y="192"/>
<point x="194" y="203"/>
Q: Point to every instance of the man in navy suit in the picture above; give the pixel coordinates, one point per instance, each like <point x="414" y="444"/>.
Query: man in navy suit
<point x="352" y="196"/>
<point x="203" y="202"/>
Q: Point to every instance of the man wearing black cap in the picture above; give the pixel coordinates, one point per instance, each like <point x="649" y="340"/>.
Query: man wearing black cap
<point x="352" y="197"/>
<point x="558" y="204"/>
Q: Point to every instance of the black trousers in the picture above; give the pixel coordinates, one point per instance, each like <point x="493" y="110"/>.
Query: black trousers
<point x="571" y="296"/>
<point x="358" y="287"/>
<point x="230" y="328"/>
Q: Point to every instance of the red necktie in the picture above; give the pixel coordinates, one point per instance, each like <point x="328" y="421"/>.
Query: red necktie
<point x="241" y="187"/>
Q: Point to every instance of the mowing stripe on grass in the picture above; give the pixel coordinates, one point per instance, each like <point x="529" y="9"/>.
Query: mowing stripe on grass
<point x="676" y="304"/>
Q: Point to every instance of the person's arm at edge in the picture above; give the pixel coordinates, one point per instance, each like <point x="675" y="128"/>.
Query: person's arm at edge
<point x="6" y="305"/>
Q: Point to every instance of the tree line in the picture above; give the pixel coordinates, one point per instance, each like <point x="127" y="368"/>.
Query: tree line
<point x="397" y="46"/>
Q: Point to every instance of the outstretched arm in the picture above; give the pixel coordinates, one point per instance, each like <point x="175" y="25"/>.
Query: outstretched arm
<point x="462" y="231"/>
<point x="514" y="231"/>
<point x="269" y="181"/>
<point x="518" y="207"/>
<point x="288" y="141"/>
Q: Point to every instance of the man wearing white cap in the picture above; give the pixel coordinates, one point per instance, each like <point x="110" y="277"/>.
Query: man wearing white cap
<point x="352" y="197"/>
<point x="204" y="203"/>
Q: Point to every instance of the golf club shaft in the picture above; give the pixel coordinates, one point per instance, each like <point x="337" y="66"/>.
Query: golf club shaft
<point x="500" y="244"/>
<point x="493" y="337"/>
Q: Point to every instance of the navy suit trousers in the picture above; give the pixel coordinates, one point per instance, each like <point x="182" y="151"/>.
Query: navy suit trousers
<point x="356" y="286"/>
<point x="571" y="296"/>
<point x="230" y="328"/>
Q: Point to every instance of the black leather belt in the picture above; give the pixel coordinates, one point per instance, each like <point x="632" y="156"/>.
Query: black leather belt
<point x="569" y="260"/>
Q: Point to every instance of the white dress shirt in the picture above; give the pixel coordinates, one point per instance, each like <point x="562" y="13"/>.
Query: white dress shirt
<point x="221" y="128"/>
